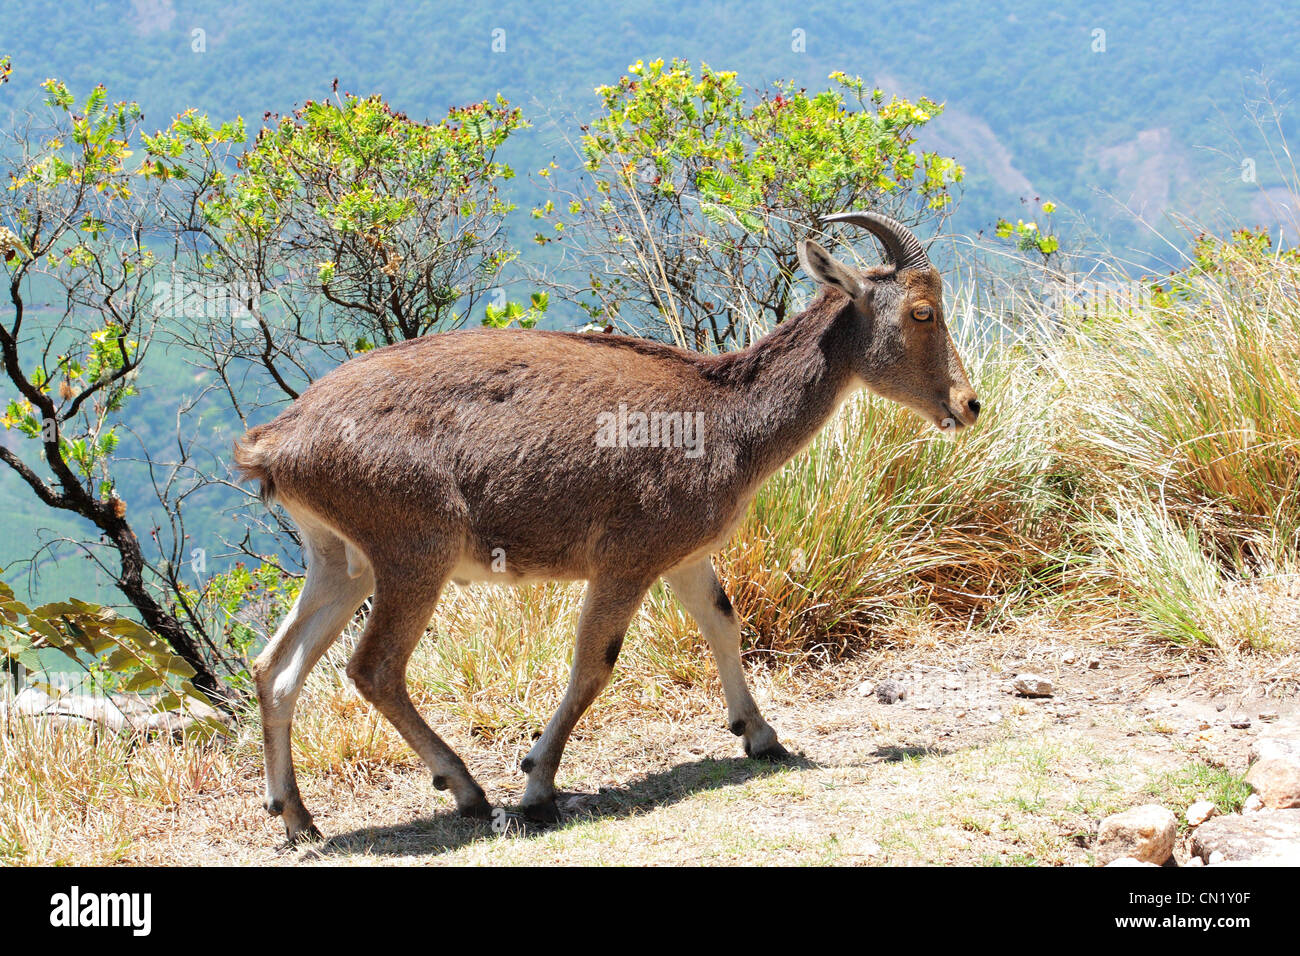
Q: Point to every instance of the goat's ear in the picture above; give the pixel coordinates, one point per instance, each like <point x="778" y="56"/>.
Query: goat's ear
<point x="825" y="268"/>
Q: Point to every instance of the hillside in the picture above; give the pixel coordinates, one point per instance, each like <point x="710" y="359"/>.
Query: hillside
<point x="1149" y="113"/>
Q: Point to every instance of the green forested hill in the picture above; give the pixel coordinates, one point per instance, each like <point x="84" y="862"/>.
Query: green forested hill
<point x="1155" y="121"/>
<point x="1030" y="100"/>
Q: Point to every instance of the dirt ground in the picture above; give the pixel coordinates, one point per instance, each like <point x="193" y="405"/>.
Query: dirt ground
<point x="962" y="770"/>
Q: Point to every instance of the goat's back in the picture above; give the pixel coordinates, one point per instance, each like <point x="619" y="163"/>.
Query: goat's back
<point x="496" y="435"/>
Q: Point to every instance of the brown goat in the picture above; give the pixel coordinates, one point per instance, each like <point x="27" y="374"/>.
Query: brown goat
<point x="510" y="456"/>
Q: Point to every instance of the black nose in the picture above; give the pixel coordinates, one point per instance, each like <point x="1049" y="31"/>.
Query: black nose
<point x="974" y="406"/>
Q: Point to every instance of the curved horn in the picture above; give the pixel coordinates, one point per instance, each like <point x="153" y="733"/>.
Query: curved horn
<point x="901" y="245"/>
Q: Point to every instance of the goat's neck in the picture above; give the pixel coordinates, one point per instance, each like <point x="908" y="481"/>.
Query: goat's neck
<point x="787" y="385"/>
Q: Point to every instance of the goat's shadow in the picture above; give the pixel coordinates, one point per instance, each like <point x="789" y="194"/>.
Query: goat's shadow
<point x="444" y="832"/>
<point x="895" y="753"/>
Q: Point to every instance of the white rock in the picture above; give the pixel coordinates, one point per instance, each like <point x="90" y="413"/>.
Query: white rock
<point x="1277" y="781"/>
<point x="1253" y="804"/>
<point x="1199" y="812"/>
<point x="114" y="712"/>
<point x="1145" y="833"/>
<point x="1263" y="838"/>
<point x="1280" y="743"/>
<point x="1129" y="861"/>
<point x="1032" y="685"/>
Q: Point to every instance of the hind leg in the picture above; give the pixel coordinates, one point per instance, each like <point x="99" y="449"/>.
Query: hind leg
<point x="328" y="599"/>
<point x="401" y="613"/>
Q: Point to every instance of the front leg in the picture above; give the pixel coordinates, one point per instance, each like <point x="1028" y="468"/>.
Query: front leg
<point x="700" y="592"/>
<point x="606" y="610"/>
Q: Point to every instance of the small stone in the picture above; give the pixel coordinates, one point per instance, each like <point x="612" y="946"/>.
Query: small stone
<point x="1221" y="706"/>
<point x="1145" y="833"/>
<point x="1129" y="861"/>
<point x="866" y="689"/>
<point x="1267" y="715"/>
<point x="1195" y="861"/>
<point x="1253" y="804"/>
<point x="1199" y="812"/>
<point x="1242" y="724"/>
<point x="1032" y="685"/>
<point x="1277" y="781"/>
<point x="1093" y="663"/>
<point x="890" y="692"/>
<point x="1216" y="857"/>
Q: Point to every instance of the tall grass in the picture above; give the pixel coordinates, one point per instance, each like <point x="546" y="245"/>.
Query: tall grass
<point x="1200" y="400"/>
<point x="883" y="511"/>
<point x="1178" y="589"/>
<point x="1142" y="462"/>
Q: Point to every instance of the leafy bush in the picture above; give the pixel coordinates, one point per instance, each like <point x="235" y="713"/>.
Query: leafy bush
<point x="120" y="654"/>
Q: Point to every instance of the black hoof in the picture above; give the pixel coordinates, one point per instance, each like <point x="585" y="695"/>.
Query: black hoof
<point x="773" y="752"/>
<point x="479" y="810"/>
<point x="308" y="834"/>
<point x="545" y="812"/>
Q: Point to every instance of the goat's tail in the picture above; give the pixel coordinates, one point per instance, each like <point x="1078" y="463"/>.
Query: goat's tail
<point x="253" y="460"/>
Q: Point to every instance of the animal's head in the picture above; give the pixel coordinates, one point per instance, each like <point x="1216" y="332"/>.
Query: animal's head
<point x="907" y="354"/>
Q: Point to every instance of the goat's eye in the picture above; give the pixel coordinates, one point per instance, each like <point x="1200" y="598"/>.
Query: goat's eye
<point x="923" y="313"/>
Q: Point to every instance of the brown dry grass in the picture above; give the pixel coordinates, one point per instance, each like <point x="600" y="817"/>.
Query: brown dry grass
<point x="657" y="780"/>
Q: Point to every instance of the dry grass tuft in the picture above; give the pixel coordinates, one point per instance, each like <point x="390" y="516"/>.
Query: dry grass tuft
<point x="71" y="794"/>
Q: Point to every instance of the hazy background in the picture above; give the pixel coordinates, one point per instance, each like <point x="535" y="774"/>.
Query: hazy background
<point x="1121" y="116"/>
<point x="1156" y="121"/>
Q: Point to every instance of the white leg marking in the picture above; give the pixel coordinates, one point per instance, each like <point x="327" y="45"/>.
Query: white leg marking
<point x="357" y="563"/>
<point x="326" y="603"/>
